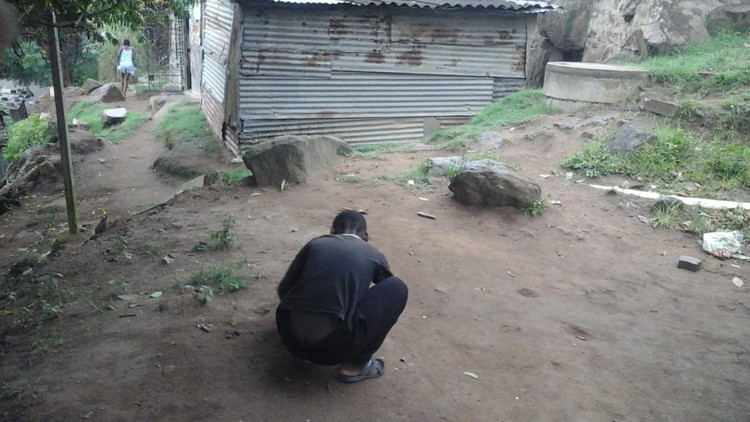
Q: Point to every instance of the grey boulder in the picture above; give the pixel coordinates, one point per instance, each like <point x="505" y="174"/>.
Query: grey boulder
<point x="489" y="183"/>
<point x="627" y="139"/>
<point x="292" y="158"/>
<point x="108" y="93"/>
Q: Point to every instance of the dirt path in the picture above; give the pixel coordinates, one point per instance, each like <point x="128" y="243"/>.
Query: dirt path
<point x="576" y="315"/>
<point x="124" y="181"/>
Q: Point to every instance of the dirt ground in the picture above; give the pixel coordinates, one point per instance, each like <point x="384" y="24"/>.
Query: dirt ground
<point x="579" y="314"/>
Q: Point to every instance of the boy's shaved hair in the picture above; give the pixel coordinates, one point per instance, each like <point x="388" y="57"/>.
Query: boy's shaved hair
<point x="349" y="221"/>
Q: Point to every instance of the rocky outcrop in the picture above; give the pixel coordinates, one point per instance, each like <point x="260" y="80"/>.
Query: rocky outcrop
<point x="731" y="17"/>
<point x="606" y="30"/>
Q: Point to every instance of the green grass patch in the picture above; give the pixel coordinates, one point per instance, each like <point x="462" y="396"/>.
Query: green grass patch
<point x="717" y="164"/>
<point x="671" y="153"/>
<point x="185" y="124"/>
<point x="91" y="114"/>
<point x="594" y="159"/>
<point x="378" y="149"/>
<point x="517" y="108"/>
<point x="721" y="63"/>
<point x="236" y="177"/>
<point x="414" y="179"/>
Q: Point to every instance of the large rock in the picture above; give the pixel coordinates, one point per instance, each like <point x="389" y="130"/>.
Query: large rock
<point x="108" y="93"/>
<point x="113" y="116"/>
<point x="492" y="184"/>
<point x="292" y="158"/>
<point x="89" y="85"/>
<point x="627" y="139"/>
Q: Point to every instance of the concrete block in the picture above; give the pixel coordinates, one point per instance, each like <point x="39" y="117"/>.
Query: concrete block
<point x="572" y="85"/>
<point x="662" y="108"/>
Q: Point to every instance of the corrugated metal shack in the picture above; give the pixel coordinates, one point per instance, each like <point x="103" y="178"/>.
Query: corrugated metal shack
<point x="366" y="71"/>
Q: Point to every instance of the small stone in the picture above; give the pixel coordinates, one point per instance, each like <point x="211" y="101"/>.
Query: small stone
<point x="689" y="263"/>
<point x="737" y="281"/>
<point x="471" y="375"/>
<point x="441" y="289"/>
<point x="168" y="259"/>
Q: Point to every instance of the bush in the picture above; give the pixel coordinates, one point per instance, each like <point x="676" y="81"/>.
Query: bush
<point x="24" y="135"/>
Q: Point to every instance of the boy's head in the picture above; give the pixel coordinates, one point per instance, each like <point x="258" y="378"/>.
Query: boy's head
<point x="350" y="222"/>
<point x="126" y="42"/>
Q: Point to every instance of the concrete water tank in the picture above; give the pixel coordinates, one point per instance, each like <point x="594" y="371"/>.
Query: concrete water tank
<point x="572" y="86"/>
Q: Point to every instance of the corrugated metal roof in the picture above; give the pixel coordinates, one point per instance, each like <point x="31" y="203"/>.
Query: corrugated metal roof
<point x="511" y="5"/>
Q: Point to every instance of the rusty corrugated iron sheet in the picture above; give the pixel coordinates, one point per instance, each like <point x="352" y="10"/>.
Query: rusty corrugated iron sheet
<point x="372" y="74"/>
<point x="218" y="16"/>
<point x="354" y="131"/>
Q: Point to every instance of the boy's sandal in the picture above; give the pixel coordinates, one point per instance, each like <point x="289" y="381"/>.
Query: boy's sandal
<point x="375" y="368"/>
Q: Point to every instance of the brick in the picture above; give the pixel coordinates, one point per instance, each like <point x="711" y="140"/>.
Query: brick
<point x="689" y="263"/>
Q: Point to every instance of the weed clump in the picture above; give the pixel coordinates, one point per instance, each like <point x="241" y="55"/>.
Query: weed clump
<point x="219" y="240"/>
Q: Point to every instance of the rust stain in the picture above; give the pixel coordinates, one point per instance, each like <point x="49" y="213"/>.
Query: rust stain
<point x="317" y="58"/>
<point x="444" y="34"/>
<point x="412" y="57"/>
<point x="324" y="114"/>
<point x="374" y="57"/>
<point x="261" y="60"/>
<point x="336" y="29"/>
